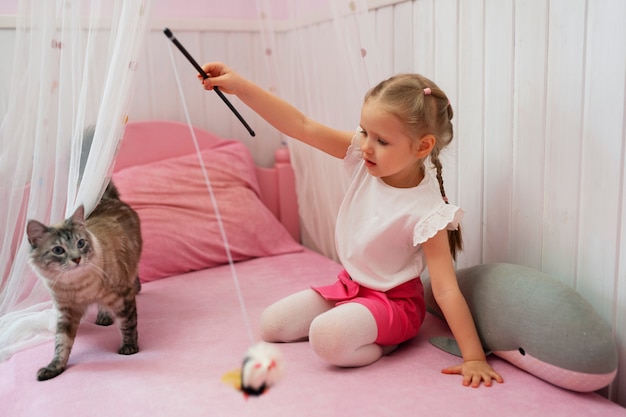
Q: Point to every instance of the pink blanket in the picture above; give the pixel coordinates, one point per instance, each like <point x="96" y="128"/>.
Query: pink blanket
<point x="192" y="331"/>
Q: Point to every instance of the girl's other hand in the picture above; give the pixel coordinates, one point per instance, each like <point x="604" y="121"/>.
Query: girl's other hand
<point x="475" y="372"/>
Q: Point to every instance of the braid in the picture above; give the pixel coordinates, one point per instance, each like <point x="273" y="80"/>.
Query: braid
<point x="434" y="158"/>
<point x="455" y="237"/>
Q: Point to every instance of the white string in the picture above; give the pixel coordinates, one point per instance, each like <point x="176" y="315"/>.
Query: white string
<point x="233" y="271"/>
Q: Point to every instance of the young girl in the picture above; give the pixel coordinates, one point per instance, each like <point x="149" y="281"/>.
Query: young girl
<point x="394" y="222"/>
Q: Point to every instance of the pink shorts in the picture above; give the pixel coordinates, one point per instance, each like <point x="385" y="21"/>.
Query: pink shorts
<point x="399" y="312"/>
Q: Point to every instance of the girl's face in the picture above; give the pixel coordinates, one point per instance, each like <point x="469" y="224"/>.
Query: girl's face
<point x="388" y="151"/>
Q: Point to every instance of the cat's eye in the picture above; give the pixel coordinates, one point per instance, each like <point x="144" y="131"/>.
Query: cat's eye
<point x="58" y="250"/>
<point x="80" y="244"/>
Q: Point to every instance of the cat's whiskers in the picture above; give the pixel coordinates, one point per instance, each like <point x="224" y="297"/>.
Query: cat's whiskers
<point x="57" y="277"/>
<point x="102" y="272"/>
<point x="54" y="280"/>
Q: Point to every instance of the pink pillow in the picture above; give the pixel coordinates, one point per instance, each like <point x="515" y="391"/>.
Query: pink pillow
<point x="178" y="222"/>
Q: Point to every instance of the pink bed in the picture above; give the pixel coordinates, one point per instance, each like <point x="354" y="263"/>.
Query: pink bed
<point x="192" y="331"/>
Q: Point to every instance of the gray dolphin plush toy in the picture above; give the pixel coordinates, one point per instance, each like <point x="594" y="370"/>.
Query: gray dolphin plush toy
<point x="537" y="323"/>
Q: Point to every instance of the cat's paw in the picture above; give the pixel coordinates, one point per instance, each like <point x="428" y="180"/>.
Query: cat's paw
<point x="48" y="373"/>
<point x="128" y="349"/>
<point x="104" y="319"/>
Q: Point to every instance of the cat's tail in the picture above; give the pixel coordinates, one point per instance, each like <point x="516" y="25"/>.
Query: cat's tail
<point x="111" y="192"/>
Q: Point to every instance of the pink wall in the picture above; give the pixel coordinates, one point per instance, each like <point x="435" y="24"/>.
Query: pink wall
<point x="232" y="9"/>
<point x="241" y="9"/>
<point x="199" y="9"/>
<point x="8" y="6"/>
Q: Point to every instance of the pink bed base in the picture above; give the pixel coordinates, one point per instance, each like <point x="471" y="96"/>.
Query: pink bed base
<point x="192" y="331"/>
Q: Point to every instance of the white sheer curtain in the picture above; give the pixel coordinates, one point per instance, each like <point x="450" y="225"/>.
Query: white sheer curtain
<point x="340" y="31"/>
<point x="74" y="66"/>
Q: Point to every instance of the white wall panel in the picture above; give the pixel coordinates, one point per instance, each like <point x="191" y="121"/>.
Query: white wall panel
<point x="529" y="84"/>
<point x="423" y="29"/>
<point x="402" y="29"/>
<point x="602" y="167"/>
<point x="602" y="151"/>
<point x="498" y="124"/>
<point x="469" y="127"/>
<point x="385" y="40"/>
<point x="563" y="139"/>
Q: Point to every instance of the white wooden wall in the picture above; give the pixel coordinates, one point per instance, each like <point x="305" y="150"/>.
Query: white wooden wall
<point x="539" y="91"/>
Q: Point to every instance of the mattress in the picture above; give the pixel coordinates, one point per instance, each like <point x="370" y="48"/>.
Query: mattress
<point x="192" y="331"/>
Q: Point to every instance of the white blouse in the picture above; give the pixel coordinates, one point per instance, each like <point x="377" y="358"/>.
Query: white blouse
<point x="380" y="228"/>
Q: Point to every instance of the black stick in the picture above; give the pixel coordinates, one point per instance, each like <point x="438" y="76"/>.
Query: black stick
<point x="182" y="49"/>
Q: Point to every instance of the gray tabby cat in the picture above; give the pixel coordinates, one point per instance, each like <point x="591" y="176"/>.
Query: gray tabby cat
<point x="90" y="261"/>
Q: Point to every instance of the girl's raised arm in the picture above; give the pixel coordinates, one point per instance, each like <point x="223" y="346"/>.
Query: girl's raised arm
<point x="277" y="112"/>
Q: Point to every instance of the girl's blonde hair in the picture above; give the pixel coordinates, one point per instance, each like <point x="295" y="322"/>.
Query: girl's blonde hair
<point x="424" y="109"/>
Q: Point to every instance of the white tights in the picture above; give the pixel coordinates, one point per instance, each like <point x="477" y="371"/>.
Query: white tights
<point x="342" y="335"/>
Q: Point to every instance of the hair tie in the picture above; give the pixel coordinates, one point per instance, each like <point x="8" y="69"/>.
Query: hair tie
<point x="427" y="91"/>
<point x="445" y="199"/>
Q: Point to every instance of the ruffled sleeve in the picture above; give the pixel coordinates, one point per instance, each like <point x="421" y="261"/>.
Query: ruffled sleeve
<point x="353" y="155"/>
<point x="447" y="216"/>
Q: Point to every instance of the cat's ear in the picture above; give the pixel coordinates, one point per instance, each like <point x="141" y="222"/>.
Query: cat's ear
<point x="79" y="215"/>
<point x="35" y="231"/>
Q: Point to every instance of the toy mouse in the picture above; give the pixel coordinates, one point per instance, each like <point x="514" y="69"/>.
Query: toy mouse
<point x="262" y="367"/>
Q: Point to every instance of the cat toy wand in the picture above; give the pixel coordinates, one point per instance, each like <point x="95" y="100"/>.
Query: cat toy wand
<point x="204" y="75"/>
<point x="262" y="365"/>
